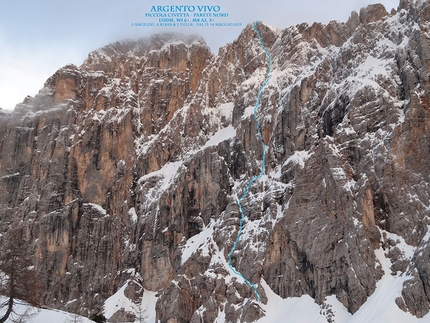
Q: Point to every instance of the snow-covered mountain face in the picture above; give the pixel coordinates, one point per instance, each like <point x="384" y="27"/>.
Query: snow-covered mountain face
<point x="126" y="173"/>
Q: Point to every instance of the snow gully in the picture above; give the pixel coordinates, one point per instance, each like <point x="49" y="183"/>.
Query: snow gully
<point x="263" y="155"/>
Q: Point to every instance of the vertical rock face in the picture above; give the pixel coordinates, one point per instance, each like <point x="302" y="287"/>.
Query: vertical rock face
<point x="127" y="169"/>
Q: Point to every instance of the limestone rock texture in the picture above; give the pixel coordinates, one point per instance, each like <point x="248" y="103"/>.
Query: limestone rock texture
<point x="126" y="170"/>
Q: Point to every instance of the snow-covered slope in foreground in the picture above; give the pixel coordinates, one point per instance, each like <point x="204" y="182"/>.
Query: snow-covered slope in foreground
<point x="379" y="308"/>
<point x="37" y="315"/>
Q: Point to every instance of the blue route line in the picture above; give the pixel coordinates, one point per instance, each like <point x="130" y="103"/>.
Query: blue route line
<point x="257" y="295"/>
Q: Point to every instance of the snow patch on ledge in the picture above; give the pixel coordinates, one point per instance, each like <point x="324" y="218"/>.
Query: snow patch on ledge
<point x="166" y="174"/>
<point x="299" y="157"/>
<point x="10" y="176"/>
<point x="220" y="136"/>
<point x="98" y="208"/>
<point x="197" y="241"/>
<point x="132" y="213"/>
<point x="226" y="110"/>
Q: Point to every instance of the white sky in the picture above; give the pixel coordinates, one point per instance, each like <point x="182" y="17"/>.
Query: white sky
<point x="37" y="37"/>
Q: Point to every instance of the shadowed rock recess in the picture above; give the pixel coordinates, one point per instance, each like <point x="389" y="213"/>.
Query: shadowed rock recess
<point x="127" y="169"/>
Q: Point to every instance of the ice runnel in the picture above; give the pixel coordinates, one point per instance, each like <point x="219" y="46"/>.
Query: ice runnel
<point x="257" y="295"/>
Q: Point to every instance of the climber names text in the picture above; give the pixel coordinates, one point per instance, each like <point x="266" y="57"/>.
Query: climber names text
<point x="186" y="16"/>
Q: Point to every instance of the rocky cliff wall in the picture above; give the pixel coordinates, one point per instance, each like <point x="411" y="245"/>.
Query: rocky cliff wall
<point x="128" y="168"/>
